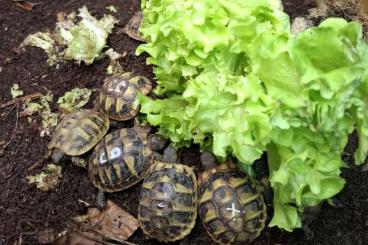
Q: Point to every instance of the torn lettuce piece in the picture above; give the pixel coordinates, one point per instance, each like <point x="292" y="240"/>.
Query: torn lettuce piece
<point x="16" y="91"/>
<point x="112" y="8"/>
<point x="47" y="179"/>
<point x="88" y="37"/>
<point x="42" y="107"/>
<point x="74" y="99"/>
<point x="45" y="41"/>
<point x="81" y="41"/>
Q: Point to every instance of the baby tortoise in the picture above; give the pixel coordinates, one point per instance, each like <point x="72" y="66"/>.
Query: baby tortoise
<point x="132" y="28"/>
<point x="168" y="202"/>
<point x="231" y="209"/>
<point x="118" y="94"/>
<point x="124" y="156"/>
<point x="77" y="133"/>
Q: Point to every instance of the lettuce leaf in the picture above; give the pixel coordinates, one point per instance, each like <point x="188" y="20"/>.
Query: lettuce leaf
<point x="87" y="39"/>
<point x="238" y="82"/>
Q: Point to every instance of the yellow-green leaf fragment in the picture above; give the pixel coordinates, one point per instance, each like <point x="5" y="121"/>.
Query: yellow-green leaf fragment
<point x="112" y="8"/>
<point x="42" y="107"/>
<point x="114" y="66"/>
<point x="16" y="91"/>
<point x="47" y="179"/>
<point x="88" y="37"/>
<point x="45" y="41"/>
<point x="74" y="99"/>
<point x="81" y="41"/>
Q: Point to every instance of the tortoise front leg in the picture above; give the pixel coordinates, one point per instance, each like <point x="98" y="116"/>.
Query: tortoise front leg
<point x="80" y="162"/>
<point x="100" y="199"/>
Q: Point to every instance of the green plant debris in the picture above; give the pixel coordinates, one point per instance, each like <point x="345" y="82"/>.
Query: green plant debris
<point x="89" y="37"/>
<point x="45" y="41"/>
<point x="81" y="41"/>
<point x="16" y="91"/>
<point x="42" y="107"/>
<point x="114" y="66"/>
<point x="238" y="82"/>
<point x="74" y="99"/>
<point x="112" y="8"/>
<point x="47" y="179"/>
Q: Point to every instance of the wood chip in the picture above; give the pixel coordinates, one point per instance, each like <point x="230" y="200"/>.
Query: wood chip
<point x="113" y="222"/>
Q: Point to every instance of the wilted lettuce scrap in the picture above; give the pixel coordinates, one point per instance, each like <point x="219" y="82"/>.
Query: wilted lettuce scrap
<point x="74" y="99"/>
<point x="238" y="82"/>
<point x="89" y="36"/>
<point x="47" y="179"/>
<point x="45" y="41"/>
<point x="49" y="119"/>
<point x="112" y="8"/>
<point x="83" y="40"/>
<point x="15" y="91"/>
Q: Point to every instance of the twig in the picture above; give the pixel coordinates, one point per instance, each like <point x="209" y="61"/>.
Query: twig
<point x="15" y="129"/>
<point x="84" y="202"/>
<point x="20" y="99"/>
<point x="100" y="233"/>
<point x="35" y="165"/>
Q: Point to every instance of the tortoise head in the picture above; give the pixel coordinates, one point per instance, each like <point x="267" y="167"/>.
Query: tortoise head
<point x="56" y="155"/>
<point x="208" y="160"/>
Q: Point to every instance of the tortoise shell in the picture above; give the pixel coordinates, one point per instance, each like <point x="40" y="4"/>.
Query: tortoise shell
<point x="132" y="28"/>
<point x="168" y="202"/>
<point x="120" y="160"/>
<point x="79" y="131"/>
<point x="119" y="92"/>
<point x="230" y="207"/>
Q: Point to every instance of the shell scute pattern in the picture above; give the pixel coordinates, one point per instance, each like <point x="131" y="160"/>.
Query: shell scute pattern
<point x="168" y="202"/>
<point x="79" y="131"/>
<point x="120" y="160"/>
<point x="132" y="28"/>
<point x="119" y="92"/>
<point x="230" y="207"/>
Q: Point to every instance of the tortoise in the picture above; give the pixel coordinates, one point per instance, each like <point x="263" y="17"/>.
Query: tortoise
<point x="118" y="94"/>
<point x="132" y="28"/>
<point x="231" y="208"/>
<point x="168" y="202"/>
<point x="123" y="158"/>
<point x="77" y="133"/>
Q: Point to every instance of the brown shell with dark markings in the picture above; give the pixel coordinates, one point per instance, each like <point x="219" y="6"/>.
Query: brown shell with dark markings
<point x="120" y="160"/>
<point x="230" y="207"/>
<point x="79" y="132"/>
<point x="118" y="94"/>
<point x="132" y="28"/>
<point x="168" y="202"/>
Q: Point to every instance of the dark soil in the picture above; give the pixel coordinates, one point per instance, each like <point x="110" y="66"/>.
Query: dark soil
<point x="25" y="211"/>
